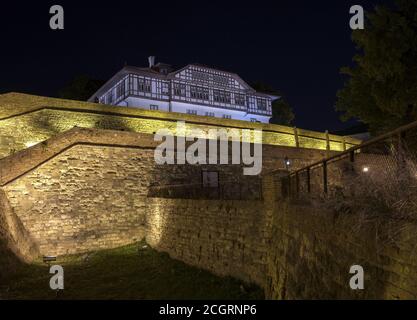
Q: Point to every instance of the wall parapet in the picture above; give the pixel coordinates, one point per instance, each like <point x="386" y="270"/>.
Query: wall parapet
<point x="27" y="119"/>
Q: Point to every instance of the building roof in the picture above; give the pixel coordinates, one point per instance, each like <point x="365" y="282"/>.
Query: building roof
<point x="147" y="71"/>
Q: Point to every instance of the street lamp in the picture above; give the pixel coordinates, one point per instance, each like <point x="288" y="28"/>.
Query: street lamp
<point x="287" y="163"/>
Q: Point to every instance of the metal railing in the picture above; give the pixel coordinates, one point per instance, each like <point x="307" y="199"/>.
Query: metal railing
<point x="389" y="156"/>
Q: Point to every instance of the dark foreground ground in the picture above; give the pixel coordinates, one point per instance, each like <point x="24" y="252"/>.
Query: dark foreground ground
<point x="130" y="272"/>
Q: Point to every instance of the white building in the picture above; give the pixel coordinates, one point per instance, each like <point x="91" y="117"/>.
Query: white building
<point x="194" y="89"/>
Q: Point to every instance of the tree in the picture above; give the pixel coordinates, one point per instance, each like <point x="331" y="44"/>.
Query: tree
<point x="381" y="90"/>
<point x="81" y="88"/>
<point x="281" y="110"/>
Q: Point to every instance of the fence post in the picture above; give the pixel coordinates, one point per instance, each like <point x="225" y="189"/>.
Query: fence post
<point x="297" y="142"/>
<point x="325" y="177"/>
<point x="308" y="180"/>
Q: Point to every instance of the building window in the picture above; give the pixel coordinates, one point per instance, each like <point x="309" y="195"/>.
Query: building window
<point x="110" y="97"/>
<point x="209" y="114"/>
<point x="144" y="85"/>
<point x="261" y="103"/>
<point x="253" y="120"/>
<point x="221" y="96"/>
<point x="222" y="80"/>
<point x="251" y="104"/>
<point x="153" y="107"/>
<point x="227" y="116"/>
<point x="240" y="99"/>
<point x="200" y="76"/>
<point x="180" y="90"/>
<point x="165" y="88"/>
<point x="120" y="90"/>
<point x="210" y="179"/>
<point x="189" y="111"/>
<point x="200" y="93"/>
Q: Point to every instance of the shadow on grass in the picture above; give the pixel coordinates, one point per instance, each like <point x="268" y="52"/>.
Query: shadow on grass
<point x="131" y="272"/>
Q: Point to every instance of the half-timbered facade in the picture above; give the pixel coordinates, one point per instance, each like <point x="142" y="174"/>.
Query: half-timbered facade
<point x="194" y="89"/>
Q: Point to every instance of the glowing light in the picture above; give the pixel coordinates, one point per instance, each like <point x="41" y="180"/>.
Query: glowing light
<point x="31" y="144"/>
<point x="365" y="169"/>
<point x="287" y="162"/>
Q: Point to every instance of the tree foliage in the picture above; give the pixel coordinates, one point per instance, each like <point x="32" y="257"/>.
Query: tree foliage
<point x="81" y="88"/>
<point x="282" y="112"/>
<point x="381" y="89"/>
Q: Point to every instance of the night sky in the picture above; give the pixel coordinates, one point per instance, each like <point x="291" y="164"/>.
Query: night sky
<point x="294" y="46"/>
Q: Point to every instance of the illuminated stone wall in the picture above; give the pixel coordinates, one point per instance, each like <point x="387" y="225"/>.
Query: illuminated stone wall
<point x="312" y="249"/>
<point x="228" y="238"/>
<point x="26" y="120"/>
<point x="16" y="243"/>
<point x="86" y="189"/>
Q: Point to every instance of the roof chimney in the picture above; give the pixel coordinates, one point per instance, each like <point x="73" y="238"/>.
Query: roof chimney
<point x="151" y="60"/>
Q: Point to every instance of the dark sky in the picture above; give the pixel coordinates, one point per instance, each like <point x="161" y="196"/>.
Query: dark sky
<point x="294" y="46"/>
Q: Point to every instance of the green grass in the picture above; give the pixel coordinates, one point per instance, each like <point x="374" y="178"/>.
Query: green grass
<point x="130" y="272"/>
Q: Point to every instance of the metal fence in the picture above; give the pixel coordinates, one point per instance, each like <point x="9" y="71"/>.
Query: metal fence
<point x="386" y="158"/>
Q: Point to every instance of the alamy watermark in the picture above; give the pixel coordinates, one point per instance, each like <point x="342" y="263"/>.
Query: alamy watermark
<point x="357" y="280"/>
<point x="357" y="21"/>
<point x="57" y="280"/>
<point x="173" y="149"/>
<point x="56" y="22"/>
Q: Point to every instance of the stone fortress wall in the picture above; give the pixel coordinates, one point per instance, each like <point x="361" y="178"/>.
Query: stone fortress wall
<point x="84" y="189"/>
<point x="26" y="120"/>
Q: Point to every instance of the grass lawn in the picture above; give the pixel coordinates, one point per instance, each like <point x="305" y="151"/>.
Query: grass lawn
<point x="130" y="272"/>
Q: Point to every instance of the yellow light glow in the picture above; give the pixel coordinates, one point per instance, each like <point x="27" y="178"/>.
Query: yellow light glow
<point x="365" y="169"/>
<point x="31" y="144"/>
